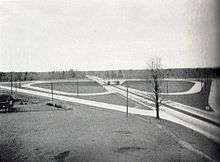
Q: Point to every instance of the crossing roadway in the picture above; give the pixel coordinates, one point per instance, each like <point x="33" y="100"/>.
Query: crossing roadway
<point x="198" y="120"/>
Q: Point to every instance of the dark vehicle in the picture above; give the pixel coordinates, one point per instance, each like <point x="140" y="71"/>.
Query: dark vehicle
<point x="113" y="82"/>
<point x="7" y="102"/>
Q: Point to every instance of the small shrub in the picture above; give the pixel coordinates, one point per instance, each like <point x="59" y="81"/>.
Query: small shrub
<point x="24" y="101"/>
<point x="55" y="105"/>
<point x="58" y="106"/>
<point x="49" y="104"/>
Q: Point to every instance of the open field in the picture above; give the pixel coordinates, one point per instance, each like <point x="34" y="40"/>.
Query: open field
<point x="90" y="134"/>
<point x="165" y="86"/>
<point x="111" y="99"/>
<point x="198" y="100"/>
<point x="84" y="87"/>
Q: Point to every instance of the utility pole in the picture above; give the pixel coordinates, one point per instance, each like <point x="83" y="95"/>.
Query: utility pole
<point x="16" y="88"/>
<point x="77" y="84"/>
<point x="127" y="103"/>
<point x="167" y="82"/>
<point x="156" y="88"/>
<point x="51" y="91"/>
<point x="19" y="83"/>
<point x="53" y="72"/>
<point x="11" y="83"/>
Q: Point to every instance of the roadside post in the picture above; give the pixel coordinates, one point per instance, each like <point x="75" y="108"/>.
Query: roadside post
<point x="127" y="102"/>
<point x="51" y="92"/>
<point x="19" y="84"/>
<point x="77" y="87"/>
<point x="16" y="86"/>
<point x="167" y="83"/>
<point x="11" y="83"/>
<point x="77" y="83"/>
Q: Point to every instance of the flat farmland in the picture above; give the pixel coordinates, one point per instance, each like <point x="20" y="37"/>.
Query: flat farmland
<point x="71" y="87"/>
<point x="165" y="86"/>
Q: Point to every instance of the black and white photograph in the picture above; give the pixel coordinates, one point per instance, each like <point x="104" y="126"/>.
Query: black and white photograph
<point x="109" y="80"/>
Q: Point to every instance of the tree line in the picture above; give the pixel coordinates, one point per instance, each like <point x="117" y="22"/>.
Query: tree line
<point x="28" y="76"/>
<point x="111" y="74"/>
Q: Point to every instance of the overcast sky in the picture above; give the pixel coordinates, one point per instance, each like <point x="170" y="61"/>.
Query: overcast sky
<point x="43" y="35"/>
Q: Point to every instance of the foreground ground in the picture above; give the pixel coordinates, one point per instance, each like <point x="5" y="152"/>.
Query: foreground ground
<point x="82" y="133"/>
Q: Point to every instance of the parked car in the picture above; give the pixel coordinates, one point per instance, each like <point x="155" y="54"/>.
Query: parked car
<point x="7" y="102"/>
<point x="113" y="82"/>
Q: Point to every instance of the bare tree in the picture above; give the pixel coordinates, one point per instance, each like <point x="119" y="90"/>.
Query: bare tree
<point x="120" y="74"/>
<point x="25" y="76"/>
<point x="107" y="75"/>
<point x="156" y="74"/>
<point x="72" y="73"/>
<point x="2" y="76"/>
<point x="19" y="78"/>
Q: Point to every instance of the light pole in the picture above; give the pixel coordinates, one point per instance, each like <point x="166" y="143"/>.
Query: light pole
<point x="77" y="84"/>
<point x="16" y="86"/>
<point x="51" y="84"/>
<point x="127" y="102"/>
<point x="11" y="83"/>
<point x="167" y="82"/>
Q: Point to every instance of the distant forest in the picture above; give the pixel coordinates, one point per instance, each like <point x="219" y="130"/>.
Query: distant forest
<point x="110" y="74"/>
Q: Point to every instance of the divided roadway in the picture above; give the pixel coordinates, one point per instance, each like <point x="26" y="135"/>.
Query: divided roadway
<point x="198" y="120"/>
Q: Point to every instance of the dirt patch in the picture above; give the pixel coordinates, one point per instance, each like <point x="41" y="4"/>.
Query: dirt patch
<point x="61" y="156"/>
<point x="36" y="108"/>
<point x="129" y="149"/>
<point x="123" y="132"/>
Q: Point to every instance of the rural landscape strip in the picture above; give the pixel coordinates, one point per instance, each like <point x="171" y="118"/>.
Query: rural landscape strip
<point x="118" y="108"/>
<point x="77" y="100"/>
